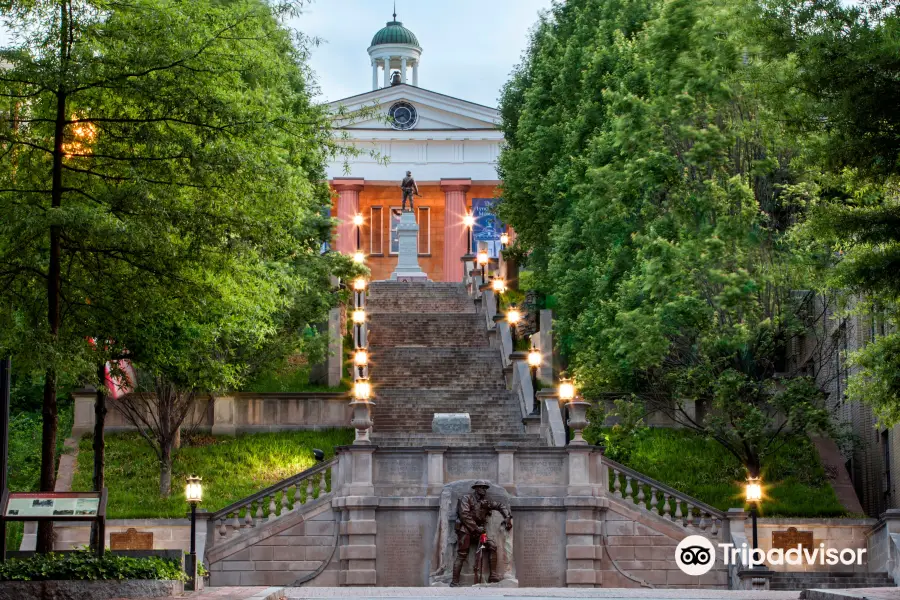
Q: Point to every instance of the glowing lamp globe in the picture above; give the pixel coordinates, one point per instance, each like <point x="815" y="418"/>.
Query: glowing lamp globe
<point x="513" y="316"/>
<point x="469" y="221"/>
<point x="359" y="316"/>
<point x="362" y="389"/>
<point x="504" y="239"/>
<point x="361" y="357"/>
<point x="359" y="258"/>
<point x="193" y="491"/>
<point x="498" y="285"/>
<point x="358" y="220"/>
<point x="359" y="285"/>
<point x="483" y="257"/>
<point x="566" y="390"/>
<point x="753" y="490"/>
<point x="535" y="359"/>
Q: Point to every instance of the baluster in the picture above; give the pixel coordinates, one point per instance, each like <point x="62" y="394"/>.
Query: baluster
<point x="617" y="485"/>
<point x="322" y="485"/>
<point x="679" y="517"/>
<point x="703" y="522"/>
<point x="259" y="511"/>
<point x="223" y="531"/>
<point x="298" y="497"/>
<point x="640" y="495"/>
<point x="666" y="508"/>
<point x="690" y="515"/>
<point x="309" y="490"/>
<point x="284" y="501"/>
<point x="628" y="492"/>
<point x="653" y="503"/>
<point x="248" y="516"/>
<point x="714" y="530"/>
<point x="271" y="507"/>
<point x="235" y="523"/>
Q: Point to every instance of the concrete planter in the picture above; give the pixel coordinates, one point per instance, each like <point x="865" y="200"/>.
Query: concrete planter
<point x="89" y="590"/>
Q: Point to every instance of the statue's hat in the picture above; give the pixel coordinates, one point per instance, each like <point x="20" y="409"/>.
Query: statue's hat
<point x="481" y="483"/>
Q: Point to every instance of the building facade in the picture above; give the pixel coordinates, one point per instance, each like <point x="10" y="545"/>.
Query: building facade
<point x="450" y="145"/>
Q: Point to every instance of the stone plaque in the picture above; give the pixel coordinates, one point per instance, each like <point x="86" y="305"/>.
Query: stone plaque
<point x="470" y="467"/>
<point x="546" y="470"/>
<point x="541" y="550"/>
<point x="392" y="468"/>
<point x="401" y="556"/>
<point x="792" y="538"/>
<point x="132" y="539"/>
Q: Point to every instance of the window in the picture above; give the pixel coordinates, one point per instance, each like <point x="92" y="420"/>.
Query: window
<point x="424" y="231"/>
<point x="376" y="231"/>
<point x="396" y="212"/>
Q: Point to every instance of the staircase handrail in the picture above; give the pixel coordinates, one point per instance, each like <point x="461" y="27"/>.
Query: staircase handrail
<point x="272" y="489"/>
<point x="702" y="506"/>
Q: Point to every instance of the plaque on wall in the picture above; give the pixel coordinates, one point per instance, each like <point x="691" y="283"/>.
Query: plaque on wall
<point x="792" y="538"/>
<point x="132" y="539"/>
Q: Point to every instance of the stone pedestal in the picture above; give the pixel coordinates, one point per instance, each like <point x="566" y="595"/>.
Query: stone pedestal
<point x="408" y="268"/>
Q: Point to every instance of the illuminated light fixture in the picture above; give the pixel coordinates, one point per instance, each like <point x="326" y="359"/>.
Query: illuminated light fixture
<point x="753" y="490"/>
<point x="358" y="220"/>
<point x="359" y="316"/>
<point x="469" y="220"/>
<point x="498" y="285"/>
<point x="193" y="491"/>
<point x="504" y="239"/>
<point x="535" y="358"/>
<point x="513" y="316"/>
<point x="483" y="257"/>
<point x="359" y="258"/>
<point x="361" y="357"/>
<point x="360" y="284"/>
<point x="362" y="389"/>
<point x="566" y="390"/>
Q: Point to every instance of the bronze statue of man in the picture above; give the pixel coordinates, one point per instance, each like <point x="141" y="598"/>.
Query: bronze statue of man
<point x="410" y="188"/>
<point x="471" y="521"/>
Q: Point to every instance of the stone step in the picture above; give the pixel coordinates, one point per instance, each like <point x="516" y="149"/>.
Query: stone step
<point x="472" y="439"/>
<point x="829" y="580"/>
<point x="438" y="330"/>
<point x="402" y="298"/>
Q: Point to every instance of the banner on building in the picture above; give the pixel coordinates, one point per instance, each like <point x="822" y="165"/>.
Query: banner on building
<point x="487" y="227"/>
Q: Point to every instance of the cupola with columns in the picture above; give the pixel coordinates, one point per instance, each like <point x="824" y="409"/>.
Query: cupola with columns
<point x="394" y="49"/>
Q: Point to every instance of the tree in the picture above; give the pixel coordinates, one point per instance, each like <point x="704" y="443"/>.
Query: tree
<point x="153" y="151"/>
<point x="648" y="172"/>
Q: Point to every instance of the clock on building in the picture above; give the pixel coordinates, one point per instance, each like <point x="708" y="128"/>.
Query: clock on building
<point x="403" y="116"/>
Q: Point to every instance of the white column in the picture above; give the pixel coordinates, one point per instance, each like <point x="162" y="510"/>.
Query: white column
<point x="374" y="74"/>
<point x="416" y="73"/>
<point x="387" y="71"/>
<point x="403" y="69"/>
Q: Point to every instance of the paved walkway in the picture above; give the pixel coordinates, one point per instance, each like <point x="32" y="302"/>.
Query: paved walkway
<point x="859" y="594"/>
<point x="532" y="594"/>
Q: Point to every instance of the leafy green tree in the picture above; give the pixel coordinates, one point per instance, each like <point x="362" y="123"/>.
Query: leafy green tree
<point x="647" y="170"/>
<point x="158" y="156"/>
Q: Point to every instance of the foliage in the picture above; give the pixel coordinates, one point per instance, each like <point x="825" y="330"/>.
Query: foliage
<point x="87" y="566"/>
<point x="289" y="379"/>
<point x="621" y="439"/>
<point x="645" y="170"/>
<point x="794" y="480"/>
<point x="231" y="467"/>
<point x="846" y="93"/>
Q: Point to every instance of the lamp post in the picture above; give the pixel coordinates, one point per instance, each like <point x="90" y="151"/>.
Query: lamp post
<point x="504" y="240"/>
<point x="469" y="222"/>
<point x="359" y="258"/>
<point x="359" y="290"/>
<point x="483" y="259"/>
<point x="358" y="221"/>
<point x="535" y="360"/>
<point x="513" y="317"/>
<point x="361" y="361"/>
<point x="753" y="492"/>
<point x="193" y="493"/>
<point x="498" y="285"/>
<point x="576" y="409"/>
<point x="359" y="319"/>
<point x="362" y="410"/>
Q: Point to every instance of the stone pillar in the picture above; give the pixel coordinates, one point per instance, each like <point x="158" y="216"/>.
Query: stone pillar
<point x="408" y="268"/>
<point x="374" y="74"/>
<point x="387" y="71"/>
<point x="348" y="205"/>
<point x="359" y="525"/>
<point x="403" y="70"/>
<point x="456" y="236"/>
<point x="435" y="456"/>
<point x="85" y="417"/>
<point x="223" y="416"/>
<point x="335" y="348"/>
<point x="416" y="73"/>
<point x="584" y="530"/>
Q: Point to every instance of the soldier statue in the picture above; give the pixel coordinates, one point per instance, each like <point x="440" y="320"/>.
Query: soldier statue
<point x="471" y="522"/>
<point x="410" y="188"/>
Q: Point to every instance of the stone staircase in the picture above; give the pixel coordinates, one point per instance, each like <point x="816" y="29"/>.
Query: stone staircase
<point x="430" y="353"/>
<point x="829" y="581"/>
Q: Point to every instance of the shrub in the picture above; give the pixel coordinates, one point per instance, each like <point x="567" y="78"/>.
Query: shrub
<point x="86" y="566"/>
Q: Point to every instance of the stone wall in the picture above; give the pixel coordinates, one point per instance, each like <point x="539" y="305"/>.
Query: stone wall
<point x="236" y="413"/>
<point x="834" y="533"/>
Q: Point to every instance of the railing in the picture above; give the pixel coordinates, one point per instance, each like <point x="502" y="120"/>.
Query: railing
<point x="273" y="502"/>
<point x="667" y="502"/>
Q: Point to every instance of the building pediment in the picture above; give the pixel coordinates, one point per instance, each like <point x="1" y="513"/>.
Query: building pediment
<point x="435" y="112"/>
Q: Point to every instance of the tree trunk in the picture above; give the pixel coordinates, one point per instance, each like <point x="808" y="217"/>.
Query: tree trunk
<point x="99" y="444"/>
<point x="49" y="410"/>
<point x="165" y="470"/>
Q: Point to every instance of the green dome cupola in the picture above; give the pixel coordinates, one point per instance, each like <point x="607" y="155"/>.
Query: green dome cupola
<point x="395" y="50"/>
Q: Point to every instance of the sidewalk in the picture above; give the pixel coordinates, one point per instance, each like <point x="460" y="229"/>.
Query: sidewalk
<point x="533" y="594"/>
<point x="859" y="594"/>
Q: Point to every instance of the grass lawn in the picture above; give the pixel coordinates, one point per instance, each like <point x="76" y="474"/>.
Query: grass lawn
<point x="290" y="379"/>
<point x="794" y="481"/>
<point x="231" y="467"/>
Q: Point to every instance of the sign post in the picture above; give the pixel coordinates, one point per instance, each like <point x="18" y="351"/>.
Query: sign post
<point x="56" y="506"/>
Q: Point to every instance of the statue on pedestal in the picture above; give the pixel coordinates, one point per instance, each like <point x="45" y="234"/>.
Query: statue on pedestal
<point x="410" y="188"/>
<point x="471" y="526"/>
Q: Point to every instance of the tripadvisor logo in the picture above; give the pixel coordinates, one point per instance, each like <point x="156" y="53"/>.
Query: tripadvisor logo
<point x="695" y="555"/>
